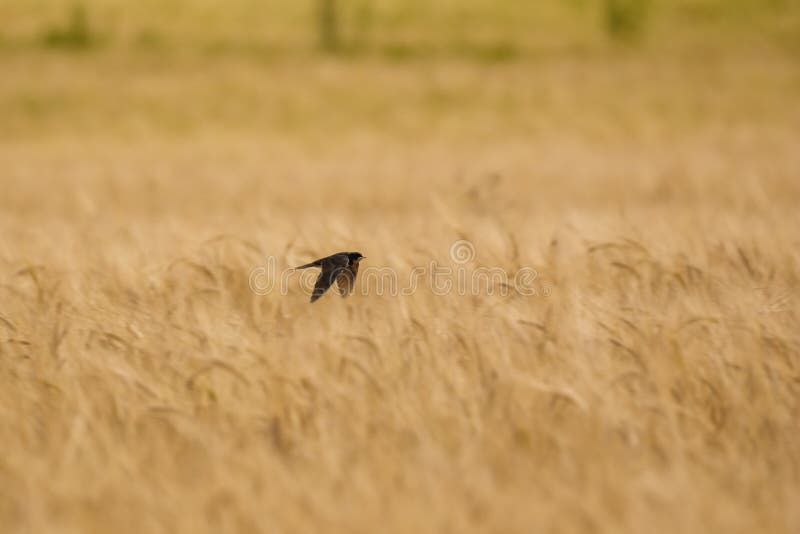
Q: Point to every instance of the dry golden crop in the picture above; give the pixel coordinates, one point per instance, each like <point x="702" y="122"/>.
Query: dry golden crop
<point x="651" y="383"/>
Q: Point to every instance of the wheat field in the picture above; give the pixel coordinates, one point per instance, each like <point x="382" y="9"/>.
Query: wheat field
<point x="651" y="383"/>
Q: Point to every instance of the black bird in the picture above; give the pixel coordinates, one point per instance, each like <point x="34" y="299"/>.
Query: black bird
<point x="341" y="267"/>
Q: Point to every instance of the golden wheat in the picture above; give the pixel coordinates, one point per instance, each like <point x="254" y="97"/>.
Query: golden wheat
<point x="651" y="385"/>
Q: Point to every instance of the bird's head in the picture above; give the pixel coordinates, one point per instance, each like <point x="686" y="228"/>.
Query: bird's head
<point x="355" y="257"/>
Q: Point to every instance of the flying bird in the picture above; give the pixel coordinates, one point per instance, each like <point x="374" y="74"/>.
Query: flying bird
<point x="341" y="267"/>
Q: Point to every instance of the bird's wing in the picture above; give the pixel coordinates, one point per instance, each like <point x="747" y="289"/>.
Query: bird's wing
<point x="325" y="279"/>
<point x="346" y="279"/>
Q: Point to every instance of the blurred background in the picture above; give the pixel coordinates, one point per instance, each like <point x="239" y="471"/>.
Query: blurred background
<point x="577" y="92"/>
<point x="177" y="66"/>
<point x="391" y="29"/>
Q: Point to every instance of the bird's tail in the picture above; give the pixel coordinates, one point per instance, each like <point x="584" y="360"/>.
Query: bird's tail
<point x="312" y="264"/>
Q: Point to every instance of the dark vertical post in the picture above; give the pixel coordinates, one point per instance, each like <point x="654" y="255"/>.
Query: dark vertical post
<point x="328" y="23"/>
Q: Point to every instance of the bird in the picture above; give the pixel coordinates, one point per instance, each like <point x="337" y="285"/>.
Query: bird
<point x="341" y="267"/>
